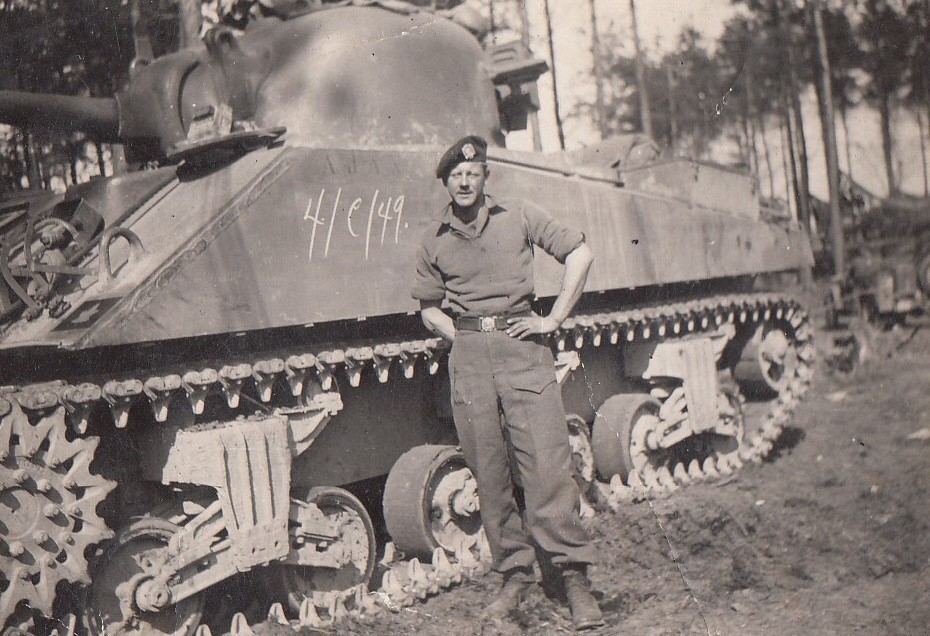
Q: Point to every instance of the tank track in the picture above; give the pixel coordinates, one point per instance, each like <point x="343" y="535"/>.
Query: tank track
<point x="405" y="582"/>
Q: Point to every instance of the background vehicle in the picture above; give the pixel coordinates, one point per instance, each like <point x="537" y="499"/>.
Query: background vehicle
<point x="889" y="263"/>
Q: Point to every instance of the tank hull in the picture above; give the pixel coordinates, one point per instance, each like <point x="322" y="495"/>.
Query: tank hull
<point x="320" y="236"/>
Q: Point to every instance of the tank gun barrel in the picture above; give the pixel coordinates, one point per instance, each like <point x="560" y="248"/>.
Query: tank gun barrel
<point x="97" y="116"/>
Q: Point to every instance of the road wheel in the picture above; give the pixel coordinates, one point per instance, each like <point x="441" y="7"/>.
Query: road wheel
<point x="355" y="542"/>
<point x="621" y="428"/>
<point x="769" y="361"/>
<point x="126" y="573"/>
<point x="431" y="500"/>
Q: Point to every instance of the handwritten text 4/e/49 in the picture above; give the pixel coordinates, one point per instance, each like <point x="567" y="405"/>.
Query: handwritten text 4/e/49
<point x="383" y="217"/>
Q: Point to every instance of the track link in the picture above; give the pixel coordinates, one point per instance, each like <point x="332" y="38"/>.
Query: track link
<point x="406" y="582"/>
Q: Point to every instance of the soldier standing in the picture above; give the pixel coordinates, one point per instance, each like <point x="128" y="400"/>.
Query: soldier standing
<point x="478" y="256"/>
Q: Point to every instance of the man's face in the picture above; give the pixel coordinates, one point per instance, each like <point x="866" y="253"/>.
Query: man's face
<point x="465" y="183"/>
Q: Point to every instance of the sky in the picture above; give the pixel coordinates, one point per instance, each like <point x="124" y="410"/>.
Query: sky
<point x="660" y="21"/>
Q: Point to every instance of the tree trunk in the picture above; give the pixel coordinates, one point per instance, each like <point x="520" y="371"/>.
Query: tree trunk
<point x="923" y="151"/>
<point x="801" y="141"/>
<point x="793" y="157"/>
<point x="766" y="153"/>
<point x="802" y="182"/>
<point x="787" y="172"/>
<point x="927" y="130"/>
<point x="555" y="84"/>
<point x="118" y="163"/>
<point x="743" y="141"/>
<point x="645" y="114"/>
<point x="33" y="170"/>
<point x="600" y="111"/>
<point x="21" y="154"/>
<point x="101" y="161"/>
<point x="847" y="144"/>
<point x="795" y="124"/>
<point x="44" y="172"/>
<point x="752" y="153"/>
<point x="825" y="100"/>
<point x="672" y="106"/>
<point x="142" y="43"/>
<point x="747" y="119"/>
<point x="189" y="18"/>
<point x="884" y="112"/>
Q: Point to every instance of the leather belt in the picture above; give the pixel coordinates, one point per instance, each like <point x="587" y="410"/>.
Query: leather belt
<point x="485" y="323"/>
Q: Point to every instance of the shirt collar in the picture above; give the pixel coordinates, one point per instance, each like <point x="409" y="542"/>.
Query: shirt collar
<point x="468" y="230"/>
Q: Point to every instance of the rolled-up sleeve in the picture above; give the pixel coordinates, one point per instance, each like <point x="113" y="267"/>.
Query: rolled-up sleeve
<point x="428" y="283"/>
<point x="555" y="238"/>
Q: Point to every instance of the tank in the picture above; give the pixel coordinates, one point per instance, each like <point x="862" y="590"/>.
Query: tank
<point x="215" y="366"/>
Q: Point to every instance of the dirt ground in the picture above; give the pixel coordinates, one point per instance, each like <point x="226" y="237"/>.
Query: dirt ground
<point x="828" y="536"/>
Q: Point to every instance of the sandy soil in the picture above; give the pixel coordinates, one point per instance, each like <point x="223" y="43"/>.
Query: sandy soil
<point x="828" y="536"/>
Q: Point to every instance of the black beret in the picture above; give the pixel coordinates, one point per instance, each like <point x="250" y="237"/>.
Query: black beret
<point x="470" y="148"/>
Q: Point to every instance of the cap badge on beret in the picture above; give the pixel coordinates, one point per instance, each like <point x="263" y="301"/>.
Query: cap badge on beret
<point x="470" y="148"/>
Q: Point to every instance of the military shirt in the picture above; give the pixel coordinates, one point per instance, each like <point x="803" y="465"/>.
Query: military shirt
<point x="485" y="268"/>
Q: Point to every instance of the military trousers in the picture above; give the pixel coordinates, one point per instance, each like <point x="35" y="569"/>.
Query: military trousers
<point x="510" y="422"/>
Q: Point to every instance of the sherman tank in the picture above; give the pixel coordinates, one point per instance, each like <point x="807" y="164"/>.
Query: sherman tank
<point x="214" y="366"/>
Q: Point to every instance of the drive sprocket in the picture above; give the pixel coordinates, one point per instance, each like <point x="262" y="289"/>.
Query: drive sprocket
<point x="48" y="506"/>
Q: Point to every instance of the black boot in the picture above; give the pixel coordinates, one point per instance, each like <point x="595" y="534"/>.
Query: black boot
<point x="515" y="589"/>
<point x="585" y="612"/>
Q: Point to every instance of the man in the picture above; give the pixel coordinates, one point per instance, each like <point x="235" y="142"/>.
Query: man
<point x="478" y="256"/>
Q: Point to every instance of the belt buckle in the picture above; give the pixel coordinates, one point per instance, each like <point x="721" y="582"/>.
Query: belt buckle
<point x="487" y="323"/>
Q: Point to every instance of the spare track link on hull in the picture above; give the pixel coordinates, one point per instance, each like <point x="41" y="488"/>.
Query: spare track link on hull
<point x="407" y="581"/>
